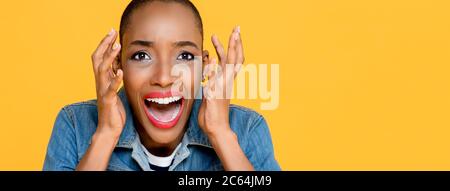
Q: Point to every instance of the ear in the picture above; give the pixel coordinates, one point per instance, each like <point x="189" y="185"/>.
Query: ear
<point x="205" y="58"/>
<point x="117" y="64"/>
<point x="119" y="60"/>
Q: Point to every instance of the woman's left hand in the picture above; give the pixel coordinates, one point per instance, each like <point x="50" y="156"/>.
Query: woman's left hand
<point x="213" y="115"/>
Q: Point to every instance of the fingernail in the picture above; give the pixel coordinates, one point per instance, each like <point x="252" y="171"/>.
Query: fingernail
<point x="111" y="32"/>
<point x="238" y="29"/>
<point x="214" y="38"/>
<point x="236" y="36"/>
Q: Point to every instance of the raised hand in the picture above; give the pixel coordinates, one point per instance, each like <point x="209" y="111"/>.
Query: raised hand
<point x="111" y="112"/>
<point x="213" y="115"/>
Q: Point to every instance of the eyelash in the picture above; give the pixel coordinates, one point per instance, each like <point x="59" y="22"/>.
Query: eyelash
<point x="183" y="55"/>
<point x="143" y="56"/>
<point x="140" y="56"/>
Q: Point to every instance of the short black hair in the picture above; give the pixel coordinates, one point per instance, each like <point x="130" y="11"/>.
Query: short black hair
<point x="135" y="4"/>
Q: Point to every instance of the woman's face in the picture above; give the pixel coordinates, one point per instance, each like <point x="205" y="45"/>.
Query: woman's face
<point x="159" y="37"/>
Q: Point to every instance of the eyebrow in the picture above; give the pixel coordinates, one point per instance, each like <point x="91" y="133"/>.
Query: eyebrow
<point x="176" y="44"/>
<point x="185" y="43"/>
<point x="142" y="43"/>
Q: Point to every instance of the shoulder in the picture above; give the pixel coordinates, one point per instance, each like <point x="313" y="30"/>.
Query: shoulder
<point x="70" y="136"/>
<point x="75" y="111"/>
<point x="85" y="106"/>
<point x="80" y="118"/>
<point x="254" y="137"/>
<point x="244" y="120"/>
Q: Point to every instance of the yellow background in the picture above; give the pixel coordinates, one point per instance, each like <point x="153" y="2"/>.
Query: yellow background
<point x="365" y="85"/>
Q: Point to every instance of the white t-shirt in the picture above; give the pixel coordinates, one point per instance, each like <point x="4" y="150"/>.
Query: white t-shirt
<point x="162" y="162"/>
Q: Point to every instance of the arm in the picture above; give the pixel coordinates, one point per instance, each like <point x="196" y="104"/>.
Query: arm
<point x="99" y="152"/>
<point x="230" y="152"/>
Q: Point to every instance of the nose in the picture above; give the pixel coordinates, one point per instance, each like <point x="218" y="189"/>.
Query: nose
<point x="162" y="74"/>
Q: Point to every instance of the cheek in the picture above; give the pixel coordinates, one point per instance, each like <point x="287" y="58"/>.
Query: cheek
<point x="134" y="79"/>
<point x="190" y="79"/>
<point x="196" y="78"/>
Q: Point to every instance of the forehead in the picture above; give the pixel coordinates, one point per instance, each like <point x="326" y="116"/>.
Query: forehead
<point x="160" y="21"/>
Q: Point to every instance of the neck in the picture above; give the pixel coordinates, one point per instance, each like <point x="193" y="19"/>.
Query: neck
<point x="157" y="149"/>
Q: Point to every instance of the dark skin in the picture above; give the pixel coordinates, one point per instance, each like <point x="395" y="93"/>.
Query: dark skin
<point x="161" y="35"/>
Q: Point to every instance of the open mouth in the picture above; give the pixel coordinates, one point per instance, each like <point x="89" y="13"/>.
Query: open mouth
<point x="163" y="109"/>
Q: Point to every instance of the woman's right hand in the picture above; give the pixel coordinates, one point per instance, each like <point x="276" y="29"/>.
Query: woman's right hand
<point x="111" y="112"/>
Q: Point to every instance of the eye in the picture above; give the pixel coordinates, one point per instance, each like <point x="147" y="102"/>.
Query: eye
<point x="140" y="56"/>
<point x="185" y="56"/>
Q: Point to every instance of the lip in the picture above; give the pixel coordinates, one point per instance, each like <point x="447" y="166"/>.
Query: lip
<point x="160" y="124"/>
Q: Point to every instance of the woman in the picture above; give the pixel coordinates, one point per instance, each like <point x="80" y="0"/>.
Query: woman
<point x="152" y="123"/>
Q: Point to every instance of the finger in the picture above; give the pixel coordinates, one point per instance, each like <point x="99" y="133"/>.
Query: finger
<point x="214" y="68"/>
<point x="219" y="49"/>
<point x="208" y="72"/>
<point x="239" y="48"/>
<point x="105" y="72"/>
<point x="110" y="45"/>
<point x="228" y="80"/>
<point x="209" y="89"/>
<point x="237" y="69"/>
<point x="208" y="92"/>
<point x="115" y="83"/>
<point x="232" y="47"/>
<point x="97" y="56"/>
<point x="213" y="78"/>
<point x="109" y="58"/>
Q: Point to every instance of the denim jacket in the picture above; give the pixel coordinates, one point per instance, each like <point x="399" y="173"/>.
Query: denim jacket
<point x="76" y="123"/>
